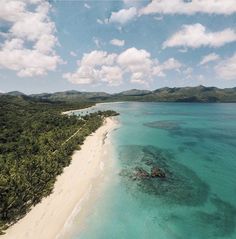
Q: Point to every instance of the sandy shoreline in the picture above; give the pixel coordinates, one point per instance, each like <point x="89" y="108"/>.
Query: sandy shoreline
<point x="75" y="111"/>
<point x="91" y="107"/>
<point x="48" y="218"/>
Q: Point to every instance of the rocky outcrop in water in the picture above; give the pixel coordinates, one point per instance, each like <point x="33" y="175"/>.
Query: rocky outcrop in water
<point x="140" y="173"/>
<point x="157" y="173"/>
<point x="151" y="170"/>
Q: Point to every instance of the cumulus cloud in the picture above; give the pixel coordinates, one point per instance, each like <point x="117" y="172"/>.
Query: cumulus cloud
<point x="99" y="21"/>
<point x="28" y="46"/>
<point x="170" y="64"/>
<point x="190" y="7"/>
<point x="112" y="68"/>
<point x="133" y="3"/>
<point x="138" y="63"/>
<point x="26" y="62"/>
<point x="225" y="7"/>
<point x="95" y="67"/>
<point x="183" y="50"/>
<point x="113" y="75"/>
<point x="188" y="73"/>
<point x="72" y="53"/>
<point x="159" y="18"/>
<point x="97" y="42"/>
<point x="209" y="58"/>
<point x="196" y="35"/>
<point x="130" y="2"/>
<point x="87" y="6"/>
<point x="123" y="16"/>
<point x="226" y="69"/>
<point x="98" y="58"/>
<point x="188" y="70"/>
<point x="201" y="78"/>
<point x="117" y="42"/>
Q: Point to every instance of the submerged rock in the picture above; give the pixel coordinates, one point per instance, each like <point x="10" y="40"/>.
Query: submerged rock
<point x="145" y="166"/>
<point x="157" y="173"/>
<point x="140" y="173"/>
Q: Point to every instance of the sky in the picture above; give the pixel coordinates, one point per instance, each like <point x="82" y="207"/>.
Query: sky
<point x="58" y="45"/>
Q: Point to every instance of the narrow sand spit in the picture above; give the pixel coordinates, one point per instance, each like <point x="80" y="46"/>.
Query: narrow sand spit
<point x="47" y="219"/>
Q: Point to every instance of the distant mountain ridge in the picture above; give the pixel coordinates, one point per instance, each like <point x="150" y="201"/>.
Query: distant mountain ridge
<point x="166" y="94"/>
<point x="14" y="93"/>
<point x="135" y="92"/>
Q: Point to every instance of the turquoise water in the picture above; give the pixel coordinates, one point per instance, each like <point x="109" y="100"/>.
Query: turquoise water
<point x="195" y="145"/>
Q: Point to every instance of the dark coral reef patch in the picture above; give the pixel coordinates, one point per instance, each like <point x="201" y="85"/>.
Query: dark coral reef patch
<point x="177" y="185"/>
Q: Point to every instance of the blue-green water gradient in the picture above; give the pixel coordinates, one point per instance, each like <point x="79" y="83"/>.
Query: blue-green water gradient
<point x="195" y="145"/>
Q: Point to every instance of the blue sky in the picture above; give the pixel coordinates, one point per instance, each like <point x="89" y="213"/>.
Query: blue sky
<point x="116" y="45"/>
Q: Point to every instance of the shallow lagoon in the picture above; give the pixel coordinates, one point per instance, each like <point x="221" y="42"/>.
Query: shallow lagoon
<point x="195" y="144"/>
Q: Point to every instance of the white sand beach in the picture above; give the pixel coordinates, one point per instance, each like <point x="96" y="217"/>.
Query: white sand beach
<point x="47" y="219"/>
<point x="80" y="110"/>
<point x="94" y="107"/>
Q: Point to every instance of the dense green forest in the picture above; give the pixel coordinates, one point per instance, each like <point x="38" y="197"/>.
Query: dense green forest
<point x="34" y="149"/>
<point x="177" y="94"/>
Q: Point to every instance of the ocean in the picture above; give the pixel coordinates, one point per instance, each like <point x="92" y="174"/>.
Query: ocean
<point x="194" y="145"/>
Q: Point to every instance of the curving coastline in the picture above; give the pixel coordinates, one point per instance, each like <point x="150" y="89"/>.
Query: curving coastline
<point x="48" y="218"/>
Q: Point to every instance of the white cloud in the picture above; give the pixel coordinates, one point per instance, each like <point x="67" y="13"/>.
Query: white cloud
<point x="225" y="7"/>
<point x="183" y="50"/>
<point x="226" y="69"/>
<point x="94" y="67"/>
<point x="209" y="58"/>
<point x="11" y="11"/>
<point x="30" y="25"/>
<point x="112" y="68"/>
<point x="97" y="42"/>
<point x="187" y="7"/>
<point x="84" y="75"/>
<point x="113" y="75"/>
<point x="72" y="53"/>
<point x="117" y="42"/>
<point x="26" y="62"/>
<point x="99" y="21"/>
<point x="188" y="70"/>
<point x="130" y="2"/>
<point x="134" y="57"/>
<point x="196" y="35"/>
<point x="188" y="73"/>
<point x="123" y="16"/>
<point x="200" y="78"/>
<point x="170" y="64"/>
<point x="87" y="6"/>
<point x="98" y="58"/>
<point x="138" y="63"/>
<point x="133" y="3"/>
<point x="159" y="18"/>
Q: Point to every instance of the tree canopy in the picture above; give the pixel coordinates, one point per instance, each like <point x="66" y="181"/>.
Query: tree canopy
<point x="34" y="149"/>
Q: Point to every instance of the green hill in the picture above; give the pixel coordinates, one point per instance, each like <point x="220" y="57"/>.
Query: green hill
<point x="166" y="94"/>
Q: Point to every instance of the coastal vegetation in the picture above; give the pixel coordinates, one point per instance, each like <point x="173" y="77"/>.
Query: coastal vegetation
<point x="36" y="143"/>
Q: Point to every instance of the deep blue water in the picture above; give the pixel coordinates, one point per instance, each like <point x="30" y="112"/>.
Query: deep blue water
<point x="195" y="145"/>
